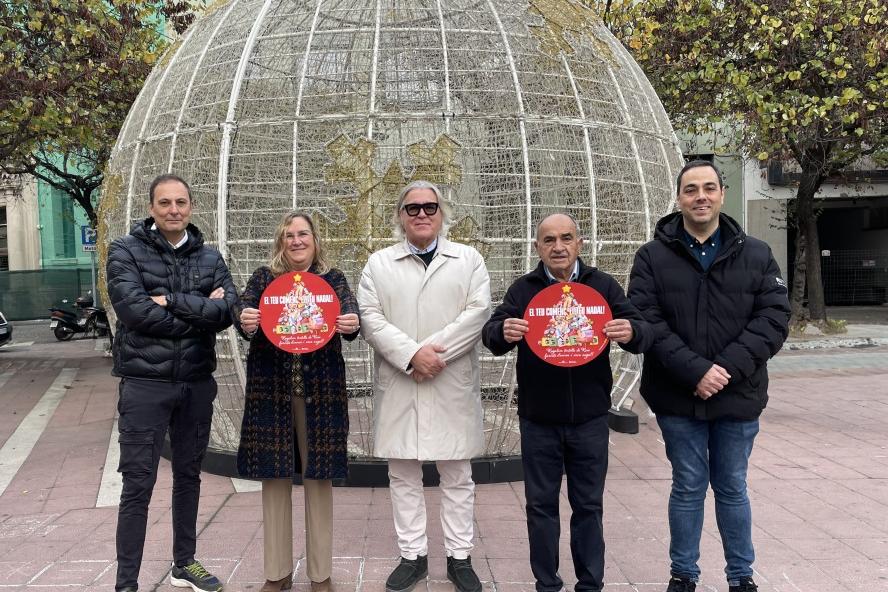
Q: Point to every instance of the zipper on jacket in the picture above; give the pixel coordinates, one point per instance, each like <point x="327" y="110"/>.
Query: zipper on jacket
<point x="703" y="333"/>
<point x="730" y="252"/>
<point x="176" y="342"/>
<point x="704" y="285"/>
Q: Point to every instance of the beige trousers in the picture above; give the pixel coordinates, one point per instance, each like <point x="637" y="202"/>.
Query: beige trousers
<point x="409" y="509"/>
<point x="277" y="517"/>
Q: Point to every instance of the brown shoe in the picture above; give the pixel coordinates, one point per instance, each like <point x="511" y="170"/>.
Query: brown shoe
<point x="325" y="586"/>
<point x="278" y="585"/>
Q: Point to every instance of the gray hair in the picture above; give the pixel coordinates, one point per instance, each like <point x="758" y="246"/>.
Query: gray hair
<point x="397" y="229"/>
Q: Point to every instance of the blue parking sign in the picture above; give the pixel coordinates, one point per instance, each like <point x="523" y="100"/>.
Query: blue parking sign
<point x="88" y="238"/>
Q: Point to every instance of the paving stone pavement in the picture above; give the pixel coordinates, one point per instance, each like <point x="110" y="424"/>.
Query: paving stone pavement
<point x="818" y="483"/>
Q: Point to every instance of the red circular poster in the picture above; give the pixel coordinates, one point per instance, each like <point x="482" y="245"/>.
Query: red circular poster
<point x="567" y="324"/>
<point x="297" y="312"/>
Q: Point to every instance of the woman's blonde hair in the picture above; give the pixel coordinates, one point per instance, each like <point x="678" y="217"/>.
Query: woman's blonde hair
<point x="279" y="263"/>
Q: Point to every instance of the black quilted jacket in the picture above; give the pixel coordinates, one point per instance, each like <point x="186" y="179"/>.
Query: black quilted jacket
<point x="734" y="314"/>
<point x="176" y="343"/>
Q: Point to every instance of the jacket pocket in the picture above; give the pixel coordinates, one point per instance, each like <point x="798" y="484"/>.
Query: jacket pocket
<point x="385" y="376"/>
<point x="461" y="369"/>
<point x="136" y="452"/>
<point x="751" y="388"/>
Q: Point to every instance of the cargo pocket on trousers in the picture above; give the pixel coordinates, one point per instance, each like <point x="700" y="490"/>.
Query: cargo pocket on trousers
<point x="203" y="439"/>
<point x="136" y="452"/>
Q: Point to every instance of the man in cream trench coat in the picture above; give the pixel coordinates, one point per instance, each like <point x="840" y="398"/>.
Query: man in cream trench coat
<point x="423" y="302"/>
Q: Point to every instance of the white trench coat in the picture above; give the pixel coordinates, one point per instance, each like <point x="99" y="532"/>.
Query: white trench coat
<point x="405" y="305"/>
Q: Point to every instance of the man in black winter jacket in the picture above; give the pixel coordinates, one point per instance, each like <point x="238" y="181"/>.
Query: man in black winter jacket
<point x="171" y="294"/>
<point x="720" y="310"/>
<point x="563" y="410"/>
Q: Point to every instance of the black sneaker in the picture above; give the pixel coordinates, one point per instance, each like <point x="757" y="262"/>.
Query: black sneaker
<point x="407" y="574"/>
<point x="744" y="584"/>
<point x="194" y="576"/>
<point x="677" y="584"/>
<point x="464" y="578"/>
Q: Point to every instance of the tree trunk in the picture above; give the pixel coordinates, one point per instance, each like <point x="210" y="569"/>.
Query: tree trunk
<point x="797" y="296"/>
<point x="806" y="222"/>
<point x="83" y="198"/>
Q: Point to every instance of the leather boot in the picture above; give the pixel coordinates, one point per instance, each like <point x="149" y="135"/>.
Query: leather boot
<point x="278" y="585"/>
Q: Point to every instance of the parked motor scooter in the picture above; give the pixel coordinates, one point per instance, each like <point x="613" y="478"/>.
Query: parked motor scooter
<point x="85" y="319"/>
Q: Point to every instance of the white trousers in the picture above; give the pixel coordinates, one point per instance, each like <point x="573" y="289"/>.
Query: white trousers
<point x="409" y="510"/>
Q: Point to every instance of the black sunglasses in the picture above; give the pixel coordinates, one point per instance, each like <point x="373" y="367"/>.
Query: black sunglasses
<point x="413" y="209"/>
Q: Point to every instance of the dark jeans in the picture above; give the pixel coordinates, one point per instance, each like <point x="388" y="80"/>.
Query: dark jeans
<point x="548" y="452"/>
<point x="704" y="452"/>
<point x="147" y="409"/>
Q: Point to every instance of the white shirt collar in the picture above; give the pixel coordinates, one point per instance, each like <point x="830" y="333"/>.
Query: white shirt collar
<point x="573" y="276"/>
<point x="178" y="244"/>
<point x="417" y="251"/>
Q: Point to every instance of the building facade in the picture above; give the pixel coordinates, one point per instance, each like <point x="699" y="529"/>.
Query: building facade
<point x="852" y="226"/>
<point x="40" y="226"/>
<point x="19" y="224"/>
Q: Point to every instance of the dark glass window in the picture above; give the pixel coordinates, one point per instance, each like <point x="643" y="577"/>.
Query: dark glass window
<point x="4" y="241"/>
<point x="65" y="237"/>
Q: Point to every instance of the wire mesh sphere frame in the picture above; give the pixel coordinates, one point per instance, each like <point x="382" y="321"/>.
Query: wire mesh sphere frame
<point x="515" y="109"/>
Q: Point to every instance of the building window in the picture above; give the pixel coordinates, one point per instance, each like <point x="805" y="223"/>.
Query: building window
<point x="875" y="218"/>
<point x="63" y="212"/>
<point x="4" y="241"/>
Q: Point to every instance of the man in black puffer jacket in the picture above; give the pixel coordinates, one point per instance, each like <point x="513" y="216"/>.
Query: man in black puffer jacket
<point x="172" y="295"/>
<point x="720" y="310"/>
<point x="563" y="410"/>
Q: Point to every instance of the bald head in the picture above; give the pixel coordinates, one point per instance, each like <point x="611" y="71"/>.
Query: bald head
<point x="557" y="219"/>
<point x="558" y="244"/>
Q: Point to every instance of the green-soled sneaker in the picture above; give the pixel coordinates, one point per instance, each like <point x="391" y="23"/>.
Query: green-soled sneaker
<point x="194" y="576"/>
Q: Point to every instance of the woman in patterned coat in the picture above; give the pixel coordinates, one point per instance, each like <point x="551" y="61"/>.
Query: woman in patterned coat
<point x="295" y="413"/>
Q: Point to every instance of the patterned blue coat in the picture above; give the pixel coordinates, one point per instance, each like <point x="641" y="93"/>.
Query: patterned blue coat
<point x="268" y="447"/>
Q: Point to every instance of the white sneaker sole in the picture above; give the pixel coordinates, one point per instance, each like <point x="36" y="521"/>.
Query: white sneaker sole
<point x="186" y="584"/>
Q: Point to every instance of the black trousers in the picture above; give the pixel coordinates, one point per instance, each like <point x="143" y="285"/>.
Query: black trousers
<point x="548" y="452"/>
<point x="147" y="410"/>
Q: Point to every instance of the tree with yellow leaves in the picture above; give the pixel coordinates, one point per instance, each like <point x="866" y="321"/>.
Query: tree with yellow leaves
<point x="70" y="72"/>
<point x="802" y="80"/>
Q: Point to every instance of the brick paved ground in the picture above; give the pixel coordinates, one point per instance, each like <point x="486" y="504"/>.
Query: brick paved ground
<point x="818" y="483"/>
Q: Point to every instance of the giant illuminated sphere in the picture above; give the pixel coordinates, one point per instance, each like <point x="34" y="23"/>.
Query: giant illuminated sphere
<point x="517" y="108"/>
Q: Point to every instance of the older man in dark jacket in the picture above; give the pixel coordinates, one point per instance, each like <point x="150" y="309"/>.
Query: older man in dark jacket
<point x="171" y="294"/>
<point x="563" y="410"/>
<point x="720" y="311"/>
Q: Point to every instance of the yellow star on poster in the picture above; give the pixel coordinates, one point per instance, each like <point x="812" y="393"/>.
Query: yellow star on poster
<point x="565" y="289"/>
<point x="297" y="278"/>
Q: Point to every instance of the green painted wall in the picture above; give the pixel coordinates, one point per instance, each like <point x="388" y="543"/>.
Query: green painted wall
<point x="60" y="220"/>
<point x="715" y="146"/>
<point x="731" y="167"/>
